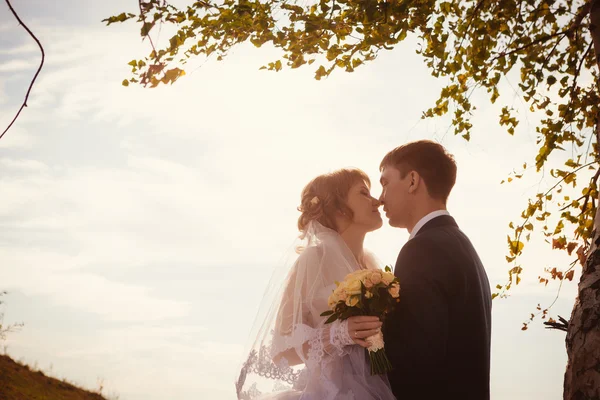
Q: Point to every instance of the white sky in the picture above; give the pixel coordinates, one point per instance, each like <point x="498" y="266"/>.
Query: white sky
<point x="139" y="227"/>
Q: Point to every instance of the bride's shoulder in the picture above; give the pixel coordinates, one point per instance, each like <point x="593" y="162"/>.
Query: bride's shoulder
<point x="310" y="253"/>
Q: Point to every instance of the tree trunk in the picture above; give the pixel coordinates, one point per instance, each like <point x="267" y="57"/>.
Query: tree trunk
<point x="582" y="378"/>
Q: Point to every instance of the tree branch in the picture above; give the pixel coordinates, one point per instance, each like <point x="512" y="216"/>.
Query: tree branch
<point x="36" y="74"/>
<point x="143" y="15"/>
<point x="578" y="71"/>
<point x="583" y="11"/>
<point x="475" y="11"/>
<point x="538" y="40"/>
<point x="593" y="182"/>
<point x="522" y="226"/>
<point x="563" y="325"/>
<point x="550" y="54"/>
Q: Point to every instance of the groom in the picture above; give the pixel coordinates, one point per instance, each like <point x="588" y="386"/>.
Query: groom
<point x="438" y="338"/>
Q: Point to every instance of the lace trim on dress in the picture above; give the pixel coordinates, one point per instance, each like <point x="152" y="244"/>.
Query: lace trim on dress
<point x="340" y="338"/>
<point x="262" y="364"/>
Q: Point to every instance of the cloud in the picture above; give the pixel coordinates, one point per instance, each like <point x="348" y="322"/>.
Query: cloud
<point x="22" y="165"/>
<point x="25" y="48"/>
<point x="16" y="66"/>
<point x="16" y="138"/>
<point x="89" y="292"/>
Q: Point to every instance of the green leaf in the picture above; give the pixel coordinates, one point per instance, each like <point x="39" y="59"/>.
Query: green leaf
<point x="331" y="319"/>
<point x="146" y="28"/>
<point x="119" y="18"/>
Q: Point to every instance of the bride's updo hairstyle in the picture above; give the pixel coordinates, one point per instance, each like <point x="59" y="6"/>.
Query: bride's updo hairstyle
<point x="327" y="194"/>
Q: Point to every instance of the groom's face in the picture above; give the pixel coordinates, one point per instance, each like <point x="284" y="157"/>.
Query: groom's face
<point x="395" y="196"/>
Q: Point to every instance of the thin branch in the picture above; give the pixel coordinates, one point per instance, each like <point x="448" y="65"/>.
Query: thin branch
<point x="571" y="205"/>
<point x="561" y="283"/>
<point x="550" y="54"/>
<point x="571" y="173"/>
<point x="475" y="11"/>
<point x="537" y="41"/>
<point x="554" y="187"/>
<point x="36" y="74"/>
<point x="583" y="11"/>
<point x="522" y="226"/>
<point x="143" y="15"/>
<point x="332" y="9"/>
<point x="554" y="325"/>
<point x="578" y="71"/>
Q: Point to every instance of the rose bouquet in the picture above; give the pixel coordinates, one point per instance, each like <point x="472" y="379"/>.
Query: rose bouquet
<point x="372" y="292"/>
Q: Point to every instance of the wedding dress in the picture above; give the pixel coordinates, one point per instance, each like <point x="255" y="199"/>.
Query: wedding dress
<point x="296" y="356"/>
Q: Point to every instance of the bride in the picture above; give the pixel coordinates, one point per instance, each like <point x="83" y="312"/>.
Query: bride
<point x="294" y="354"/>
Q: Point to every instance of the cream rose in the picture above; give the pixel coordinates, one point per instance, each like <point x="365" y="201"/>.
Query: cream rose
<point x="353" y="287"/>
<point x="375" y="277"/>
<point x="357" y="275"/>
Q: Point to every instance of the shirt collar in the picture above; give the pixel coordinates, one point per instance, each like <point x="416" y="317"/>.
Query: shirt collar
<point x="426" y="219"/>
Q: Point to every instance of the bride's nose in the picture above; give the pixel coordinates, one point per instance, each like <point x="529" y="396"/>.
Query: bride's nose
<point x="376" y="202"/>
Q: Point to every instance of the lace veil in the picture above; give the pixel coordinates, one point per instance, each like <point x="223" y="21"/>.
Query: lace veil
<point x="289" y="336"/>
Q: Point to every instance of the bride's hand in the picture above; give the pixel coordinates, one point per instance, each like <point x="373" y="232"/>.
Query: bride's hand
<point x="360" y="328"/>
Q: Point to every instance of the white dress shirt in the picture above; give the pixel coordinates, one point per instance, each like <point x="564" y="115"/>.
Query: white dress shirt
<point x="425" y="220"/>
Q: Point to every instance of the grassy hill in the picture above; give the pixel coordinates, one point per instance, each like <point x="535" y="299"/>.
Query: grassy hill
<point x="19" y="382"/>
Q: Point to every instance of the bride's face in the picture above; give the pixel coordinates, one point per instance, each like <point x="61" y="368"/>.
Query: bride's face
<point x="365" y="207"/>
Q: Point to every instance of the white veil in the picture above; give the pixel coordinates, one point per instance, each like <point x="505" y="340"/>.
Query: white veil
<point x="290" y="342"/>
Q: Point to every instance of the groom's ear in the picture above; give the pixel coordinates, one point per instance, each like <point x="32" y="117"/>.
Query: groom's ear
<point x="414" y="181"/>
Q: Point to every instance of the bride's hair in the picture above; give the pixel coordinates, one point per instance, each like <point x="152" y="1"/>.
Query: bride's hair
<point x="327" y="194"/>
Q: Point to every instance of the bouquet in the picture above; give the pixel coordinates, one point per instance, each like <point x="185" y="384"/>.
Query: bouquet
<point x="372" y="292"/>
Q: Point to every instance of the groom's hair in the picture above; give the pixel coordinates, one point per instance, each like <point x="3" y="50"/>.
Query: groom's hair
<point x="430" y="160"/>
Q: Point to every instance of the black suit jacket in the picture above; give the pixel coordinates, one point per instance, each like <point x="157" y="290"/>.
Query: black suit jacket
<point x="438" y="337"/>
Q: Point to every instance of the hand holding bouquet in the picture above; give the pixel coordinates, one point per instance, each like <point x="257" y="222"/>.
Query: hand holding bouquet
<point x="366" y="292"/>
